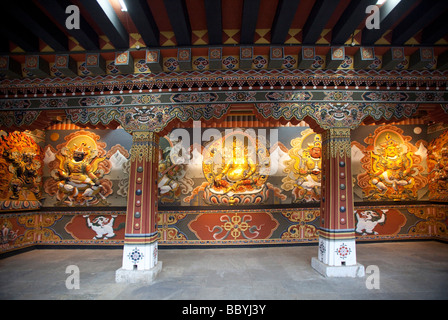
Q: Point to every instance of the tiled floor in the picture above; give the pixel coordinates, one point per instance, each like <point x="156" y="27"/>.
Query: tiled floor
<point x="407" y="270"/>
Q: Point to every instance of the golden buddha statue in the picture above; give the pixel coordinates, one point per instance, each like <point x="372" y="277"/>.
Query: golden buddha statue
<point x="237" y="170"/>
<point x="233" y="171"/>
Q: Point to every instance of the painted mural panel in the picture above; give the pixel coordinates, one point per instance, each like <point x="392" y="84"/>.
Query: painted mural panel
<point x="234" y="226"/>
<point x="390" y="166"/>
<point x="216" y="172"/>
<point x="96" y="227"/>
<point x="225" y="167"/>
<point x="85" y="168"/>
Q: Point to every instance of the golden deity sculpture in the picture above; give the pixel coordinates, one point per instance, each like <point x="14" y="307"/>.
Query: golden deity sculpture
<point x="237" y="172"/>
<point x="20" y="167"/>
<point x="391" y="169"/>
<point x="305" y="167"/>
<point x="392" y="165"/>
<point x="234" y="166"/>
<point x="79" y="183"/>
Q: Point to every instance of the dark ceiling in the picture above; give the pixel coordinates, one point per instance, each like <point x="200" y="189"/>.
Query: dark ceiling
<point x="32" y="25"/>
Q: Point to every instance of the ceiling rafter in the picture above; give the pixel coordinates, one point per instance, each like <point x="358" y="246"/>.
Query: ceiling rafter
<point x="108" y="21"/>
<point x="144" y="21"/>
<point x="85" y="35"/>
<point x="390" y="12"/>
<point x="178" y="15"/>
<point x="419" y="18"/>
<point x="350" y="20"/>
<point x="318" y="18"/>
<point x="37" y="23"/>
<point x="436" y="30"/>
<point x="213" y="10"/>
<point x="249" y="22"/>
<point x="284" y="16"/>
<point x="20" y="35"/>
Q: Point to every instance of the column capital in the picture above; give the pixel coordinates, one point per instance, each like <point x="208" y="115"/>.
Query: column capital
<point x="338" y="142"/>
<point x="144" y="145"/>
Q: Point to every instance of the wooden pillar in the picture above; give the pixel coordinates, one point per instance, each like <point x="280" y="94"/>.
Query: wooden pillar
<point x="140" y="245"/>
<point x="337" y="246"/>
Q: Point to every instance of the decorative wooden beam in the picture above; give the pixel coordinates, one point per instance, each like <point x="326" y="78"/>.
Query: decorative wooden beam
<point x="249" y="23"/>
<point x="10" y="67"/>
<point x="276" y="56"/>
<point x="306" y="57"/>
<point x="421" y="58"/>
<point x="37" y="66"/>
<point x="178" y="15"/>
<point x="335" y="57"/>
<point x="246" y="57"/>
<point x="392" y="58"/>
<point x="67" y="65"/>
<point x="184" y="58"/>
<point x="215" y="58"/>
<point x="364" y="57"/>
<point x="95" y="63"/>
<point x="213" y="11"/>
<point x="284" y="16"/>
<point x="124" y="62"/>
<point x="154" y="60"/>
<point x="103" y="13"/>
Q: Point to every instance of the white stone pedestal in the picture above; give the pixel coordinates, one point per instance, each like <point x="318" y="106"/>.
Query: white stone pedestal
<point x="353" y="271"/>
<point x="138" y="276"/>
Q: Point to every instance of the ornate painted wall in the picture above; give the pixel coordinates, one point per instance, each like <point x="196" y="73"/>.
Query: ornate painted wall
<point x="229" y="187"/>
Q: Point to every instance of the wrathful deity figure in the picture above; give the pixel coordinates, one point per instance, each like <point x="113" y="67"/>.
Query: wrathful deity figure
<point x="392" y="165"/>
<point x="79" y="181"/>
<point x="20" y="167"/>
<point x="391" y="169"/>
